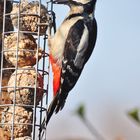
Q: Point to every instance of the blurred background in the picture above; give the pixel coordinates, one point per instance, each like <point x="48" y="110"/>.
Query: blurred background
<point x="110" y="84"/>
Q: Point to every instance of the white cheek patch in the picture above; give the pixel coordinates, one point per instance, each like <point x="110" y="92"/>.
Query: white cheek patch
<point x="82" y="1"/>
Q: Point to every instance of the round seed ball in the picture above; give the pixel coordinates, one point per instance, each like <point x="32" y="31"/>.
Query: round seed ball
<point x="25" y="82"/>
<point x="27" y="50"/>
<point x="22" y="117"/>
<point x="29" y="19"/>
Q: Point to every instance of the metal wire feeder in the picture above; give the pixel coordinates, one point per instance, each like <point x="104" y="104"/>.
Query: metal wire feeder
<point x="37" y="110"/>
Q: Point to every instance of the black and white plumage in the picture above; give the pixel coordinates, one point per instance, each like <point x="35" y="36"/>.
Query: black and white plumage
<point x="70" y="49"/>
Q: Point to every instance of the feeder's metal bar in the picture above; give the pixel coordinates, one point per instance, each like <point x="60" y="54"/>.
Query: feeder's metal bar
<point x="22" y="15"/>
<point x="20" y="50"/>
<point x="34" y="111"/>
<point x="25" y="32"/>
<point x="53" y="24"/>
<point x="16" y="123"/>
<point x="9" y="32"/>
<point x="43" y="74"/>
<point x="33" y="33"/>
<point x="14" y="100"/>
<point x="37" y="50"/>
<point x="23" y="105"/>
<point x="27" y="68"/>
<point x="2" y="48"/>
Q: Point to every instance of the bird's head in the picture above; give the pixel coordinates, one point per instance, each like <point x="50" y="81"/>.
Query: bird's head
<point x="87" y="6"/>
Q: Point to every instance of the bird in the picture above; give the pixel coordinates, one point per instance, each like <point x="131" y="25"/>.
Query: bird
<point x="70" y="48"/>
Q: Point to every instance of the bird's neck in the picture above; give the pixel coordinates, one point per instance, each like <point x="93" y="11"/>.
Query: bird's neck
<point x="76" y="10"/>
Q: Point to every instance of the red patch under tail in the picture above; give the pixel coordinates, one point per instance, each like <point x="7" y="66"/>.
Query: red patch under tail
<point x="56" y="75"/>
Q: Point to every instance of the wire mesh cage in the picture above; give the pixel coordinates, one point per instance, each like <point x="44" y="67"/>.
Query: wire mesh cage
<point x="24" y="68"/>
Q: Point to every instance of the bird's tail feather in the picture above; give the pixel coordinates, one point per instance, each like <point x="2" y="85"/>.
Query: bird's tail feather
<point x="50" y="112"/>
<point x="56" y="105"/>
<point x="51" y="108"/>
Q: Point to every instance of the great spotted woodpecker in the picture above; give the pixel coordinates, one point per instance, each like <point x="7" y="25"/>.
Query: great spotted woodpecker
<point x="70" y="49"/>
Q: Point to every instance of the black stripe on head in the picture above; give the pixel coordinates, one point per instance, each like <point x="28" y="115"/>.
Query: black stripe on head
<point x="73" y="16"/>
<point x="89" y="7"/>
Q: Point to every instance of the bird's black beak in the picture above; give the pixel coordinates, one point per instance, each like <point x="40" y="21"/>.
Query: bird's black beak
<point x="61" y="2"/>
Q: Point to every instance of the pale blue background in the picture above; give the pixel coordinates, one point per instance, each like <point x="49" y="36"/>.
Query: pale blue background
<point x="110" y="83"/>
